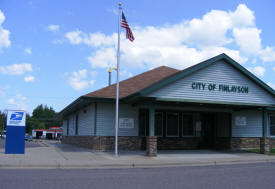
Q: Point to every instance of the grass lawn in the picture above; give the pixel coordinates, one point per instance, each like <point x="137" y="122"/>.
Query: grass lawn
<point x="272" y="151"/>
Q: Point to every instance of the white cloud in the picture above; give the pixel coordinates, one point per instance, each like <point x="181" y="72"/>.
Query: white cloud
<point x="74" y="37"/>
<point x="141" y="53"/>
<point x="4" y="34"/>
<point x="11" y="101"/>
<point x="183" y="44"/>
<point x="94" y="73"/>
<point x="258" y="70"/>
<point x="53" y="28"/>
<point x="204" y="32"/>
<point x="103" y="58"/>
<point x="78" y="80"/>
<point x="28" y="50"/>
<point x="242" y="17"/>
<point x="248" y="39"/>
<point x="268" y="54"/>
<point x="94" y="39"/>
<point x="272" y="85"/>
<point x="179" y="45"/>
<point x="28" y="79"/>
<point x="274" y="69"/>
<point x="18" y="102"/>
<point x="92" y="82"/>
<point x="16" y="69"/>
<point x="125" y="73"/>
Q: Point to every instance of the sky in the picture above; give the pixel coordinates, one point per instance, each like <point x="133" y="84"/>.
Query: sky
<point x="52" y="52"/>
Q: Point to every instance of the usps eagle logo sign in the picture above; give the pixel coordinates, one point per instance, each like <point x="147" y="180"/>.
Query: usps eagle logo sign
<point x="16" y="118"/>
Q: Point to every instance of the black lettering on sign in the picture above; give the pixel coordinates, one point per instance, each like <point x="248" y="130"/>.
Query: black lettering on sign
<point x="220" y="87"/>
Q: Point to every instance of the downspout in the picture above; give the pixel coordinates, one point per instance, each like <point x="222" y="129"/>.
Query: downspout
<point x="95" y="116"/>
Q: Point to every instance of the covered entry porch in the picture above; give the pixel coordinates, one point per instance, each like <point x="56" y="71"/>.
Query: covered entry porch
<point x="180" y="130"/>
<point x="190" y="126"/>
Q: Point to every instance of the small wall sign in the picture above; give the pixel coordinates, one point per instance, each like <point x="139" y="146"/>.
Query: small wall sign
<point x="240" y="121"/>
<point x="198" y="126"/>
<point x="126" y="123"/>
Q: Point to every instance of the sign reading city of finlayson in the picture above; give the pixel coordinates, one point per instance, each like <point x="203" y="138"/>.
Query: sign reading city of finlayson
<point x="219" y="87"/>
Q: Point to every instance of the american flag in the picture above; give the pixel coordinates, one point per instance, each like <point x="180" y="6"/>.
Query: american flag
<point x="124" y="24"/>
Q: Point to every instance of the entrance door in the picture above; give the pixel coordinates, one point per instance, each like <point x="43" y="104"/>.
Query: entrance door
<point x="208" y="130"/>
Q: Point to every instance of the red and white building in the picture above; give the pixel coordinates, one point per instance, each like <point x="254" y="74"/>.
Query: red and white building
<point x="51" y="133"/>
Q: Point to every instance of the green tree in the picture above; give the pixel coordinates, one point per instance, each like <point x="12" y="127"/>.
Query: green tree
<point x="2" y="122"/>
<point x="29" y="124"/>
<point x="43" y="117"/>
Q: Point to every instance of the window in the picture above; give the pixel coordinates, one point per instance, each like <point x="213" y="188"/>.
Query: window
<point x="76" y="124"/>
<point x="272" y="125"/>
<point x="143" y="123"/>
<point x="158" y="123"/>
<point x="68" y="125"/>
<point x="187" y="125"/>
<point x="172" y="126"/>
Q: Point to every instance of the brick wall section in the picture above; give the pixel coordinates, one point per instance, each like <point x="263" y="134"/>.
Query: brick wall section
<point x="242" y="143"/>
<point x="272" y="142"/>
<point x="151" y="146"/>
<point x="264" y="145"/>
<point x="105" y="143"/>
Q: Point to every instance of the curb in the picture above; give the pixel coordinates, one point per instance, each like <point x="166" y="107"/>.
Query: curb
<point x="133" y="165"/>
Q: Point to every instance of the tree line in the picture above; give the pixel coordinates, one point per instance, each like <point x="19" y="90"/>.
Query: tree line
<point x="42" y="117"/>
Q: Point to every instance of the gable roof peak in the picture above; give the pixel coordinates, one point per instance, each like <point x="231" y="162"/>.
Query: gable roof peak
<point x="206" y="63"/>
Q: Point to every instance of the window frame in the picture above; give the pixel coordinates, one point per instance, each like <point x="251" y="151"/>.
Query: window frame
<point x="146" y="117"/>
<point x="68" y="126"/>
<point x="193" y="134"/>
<point x="76" y="124"/>
<point x="269" y="124"/>
<point x="178" y="114"/>
<point x="159" y="112"/>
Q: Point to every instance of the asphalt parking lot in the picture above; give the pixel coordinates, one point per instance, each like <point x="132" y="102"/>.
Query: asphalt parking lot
<point x="31" y="144"/>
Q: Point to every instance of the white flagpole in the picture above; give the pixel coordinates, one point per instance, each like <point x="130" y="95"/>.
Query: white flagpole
<point x="117" y="80"/>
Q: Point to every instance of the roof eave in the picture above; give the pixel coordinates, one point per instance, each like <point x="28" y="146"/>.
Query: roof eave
<point x="82" y="102"/>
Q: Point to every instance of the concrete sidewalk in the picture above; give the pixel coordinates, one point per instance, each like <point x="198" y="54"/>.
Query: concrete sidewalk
<point x="49" y="154"/>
